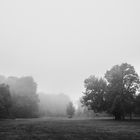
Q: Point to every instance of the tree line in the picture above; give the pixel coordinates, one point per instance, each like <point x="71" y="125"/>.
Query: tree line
<point x="18" y="97"/>
<point x="117" y="93"/>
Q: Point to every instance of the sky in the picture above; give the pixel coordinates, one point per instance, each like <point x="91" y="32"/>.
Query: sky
<point x="61" y="43"/>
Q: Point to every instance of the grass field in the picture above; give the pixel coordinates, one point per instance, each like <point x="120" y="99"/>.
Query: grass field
<point x="69" y="129"/>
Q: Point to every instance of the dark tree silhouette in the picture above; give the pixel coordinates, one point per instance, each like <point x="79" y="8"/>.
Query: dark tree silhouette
<point x="116" y="94"/>
<point x="24" y="97"/>
<point x="137" y="104"/>
<point x="5" y="101"/>
<point x="123" y="83"/>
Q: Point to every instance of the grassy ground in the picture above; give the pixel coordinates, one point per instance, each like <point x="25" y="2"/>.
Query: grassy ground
<point x="69" y="129"/>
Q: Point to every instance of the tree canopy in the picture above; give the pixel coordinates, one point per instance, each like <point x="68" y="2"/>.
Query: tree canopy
<point x="115" y="93"/>
<point x="21" y="93"/>
<point x="94" y="96"/>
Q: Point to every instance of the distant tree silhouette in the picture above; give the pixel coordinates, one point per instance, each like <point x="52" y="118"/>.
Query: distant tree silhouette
<point x="70" y="110"/>
<point x="24" y="97"/>
<point x="5" y="101"/>
<point x="24" y="107"/>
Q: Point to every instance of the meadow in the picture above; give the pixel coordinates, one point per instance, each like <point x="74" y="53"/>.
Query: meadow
<point x="69" y="129"/>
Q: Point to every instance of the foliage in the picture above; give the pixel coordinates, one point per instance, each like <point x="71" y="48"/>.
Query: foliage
<point x="116" y="94"/>
<point x="94" y="96"/>
<point x="24" y="98"/>
<point x="123" y="82"/>
<point x="70" y="110"/>
<point x="137" y="104"/>
<point x="22" y="95"/>
<point x="5" y="101"/>
<point x="24" y="107"/>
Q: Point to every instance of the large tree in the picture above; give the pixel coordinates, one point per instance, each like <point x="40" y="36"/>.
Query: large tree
<point x="94" y="95"/>
<point x="123" y="83"/>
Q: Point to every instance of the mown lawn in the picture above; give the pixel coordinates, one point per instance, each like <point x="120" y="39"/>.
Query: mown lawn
<point x="69" y="129"/>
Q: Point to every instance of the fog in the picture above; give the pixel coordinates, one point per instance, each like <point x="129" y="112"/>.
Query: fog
<point x="60" y="43"/>
<point x="68" y="68"/>
<point x="53" y="104"/>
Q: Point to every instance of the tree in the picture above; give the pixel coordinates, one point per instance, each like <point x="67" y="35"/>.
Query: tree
<point x="19" y="98"/>
<point x="24" y="107"/>
<point x="70" y="110"/>
<point x="137" y="104"/>
<point x="24" y="97"/>
<point x="22" y="86"/>
<point x="94" y="95"/>
<point x="123" y="83"/>
<point x="5" y="101"/>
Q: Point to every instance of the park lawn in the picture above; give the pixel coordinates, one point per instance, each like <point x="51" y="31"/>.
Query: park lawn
<point x="69" y="129"/>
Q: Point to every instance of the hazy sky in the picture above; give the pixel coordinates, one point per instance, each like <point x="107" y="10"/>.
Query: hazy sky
<point x="61" y="42"/>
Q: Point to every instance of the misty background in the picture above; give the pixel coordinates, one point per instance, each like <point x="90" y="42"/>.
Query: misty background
<point x="60" y="43"/>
